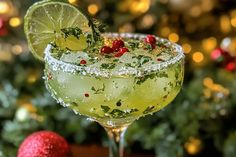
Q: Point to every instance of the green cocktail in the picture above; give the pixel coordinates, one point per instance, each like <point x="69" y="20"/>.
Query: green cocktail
<point x="111" y="78"/>
<point x="115" y="96"/>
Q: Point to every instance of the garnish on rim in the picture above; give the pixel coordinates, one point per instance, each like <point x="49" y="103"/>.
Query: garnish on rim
<point x="106" y="50"/>
<point x="117" y="44"/>
<point x="150" y="39"/>
<point x="61" y="23"/>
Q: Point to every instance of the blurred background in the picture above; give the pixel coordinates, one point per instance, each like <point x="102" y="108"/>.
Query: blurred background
<point x="201" y="120"/>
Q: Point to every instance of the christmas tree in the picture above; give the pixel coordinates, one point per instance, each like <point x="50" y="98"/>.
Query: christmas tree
<point x="199" y="122"/>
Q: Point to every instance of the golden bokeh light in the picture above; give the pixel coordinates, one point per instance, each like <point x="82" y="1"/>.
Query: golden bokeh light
<point x="225" y="24"/>
<point x="198" y="57"/>
<point x="17" y="49"/>
<point x="195" y="11"/>
<point x="140" y="6"/>
<point x="4" y="7"/>
<point x="165" y="31"/>
<point x="15" y="21"/>
<point x="209" y="44"/>
<point x="128" y="27"/>
<point x="193" y="146"/>
<point x="173" y="37"/>
<point x="187" y="48"/>
<point x="233" y="22"/>
<point x="72" y="1"/>
<point x="147" y="21"/>
<point x="207" y="5"/>
<point x="5" y="56"/>
<point x="93" y="9"/>
<point x="208" y="82"/>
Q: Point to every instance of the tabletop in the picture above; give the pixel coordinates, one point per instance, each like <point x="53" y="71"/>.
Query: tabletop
<point x="90" y="151"/>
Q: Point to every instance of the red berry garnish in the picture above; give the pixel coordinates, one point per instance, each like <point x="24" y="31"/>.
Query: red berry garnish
<point x="150" y="39"/>
<point x="159" y="59"/>
<point x="86" y="95"/>
<point x="106" y="50"/>
<point x="121" y="51"/>
<point x="117" y="44"/>
<point x="83" y="61"/>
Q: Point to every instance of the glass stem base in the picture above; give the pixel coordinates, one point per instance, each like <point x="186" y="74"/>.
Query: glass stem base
<point x="116" y="140"/>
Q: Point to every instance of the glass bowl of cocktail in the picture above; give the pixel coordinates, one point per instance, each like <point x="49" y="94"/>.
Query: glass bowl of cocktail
<point x="111" y="78"/>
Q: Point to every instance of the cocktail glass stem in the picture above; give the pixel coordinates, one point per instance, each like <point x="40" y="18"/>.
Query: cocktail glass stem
<point x="116" y="139"/>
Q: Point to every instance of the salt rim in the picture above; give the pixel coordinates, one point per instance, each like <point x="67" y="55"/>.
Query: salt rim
<point x="124" y="71"/>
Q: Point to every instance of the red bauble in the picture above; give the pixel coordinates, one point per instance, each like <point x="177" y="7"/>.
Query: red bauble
<point x="44" y="144"/>
<point x="3" y="28"/>
<point x="106" y="50"/>
<point x="231" y="66"/>
<point x="117" y="44"/>
<point x="220" y="55"/>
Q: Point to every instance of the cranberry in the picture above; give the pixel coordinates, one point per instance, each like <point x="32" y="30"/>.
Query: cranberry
<point x="106" y="50"/>
<point x="117" y="44"/>
<point x="121" y="51"/>
<point x="86" y="95"/>
<point x="83" y="61"/>
<point x="150" y="39"/>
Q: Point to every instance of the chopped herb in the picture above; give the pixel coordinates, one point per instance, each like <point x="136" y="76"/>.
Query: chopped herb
<point x="115" y="60"/>
<point x="105" y="109"/>
<point x="144" y="78"/>
<point x="165" y="96"/>
<point x="108" y="65"/>
<point x="149" y="109"/>
<point x="165" y="88"/>
<point x="116" y="113"/>
<point x="162" y="74"/>
<point x="118" y="103"/>
<point x="133" y="44"/>
<point x="99" y="90"/>
<point x="75" y="31"/>
<point x="89" y="38"/>
<point x="170" y="84"/>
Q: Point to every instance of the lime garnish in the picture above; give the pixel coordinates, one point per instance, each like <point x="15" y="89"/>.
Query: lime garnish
<point x="58" y="22"/>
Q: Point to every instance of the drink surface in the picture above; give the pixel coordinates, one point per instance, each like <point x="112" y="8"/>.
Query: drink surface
<point x="115" y="90"/>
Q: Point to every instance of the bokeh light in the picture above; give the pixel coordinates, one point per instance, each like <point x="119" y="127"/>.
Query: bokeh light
<point x="187" y="48"/>
<point x="15" y="21"/>
<point x="4" y="7"/>
<point x="174" y="37"/>
<point x="198" y="57"/>
<point x="209" y="44"/>
<point x="93" y="9"/>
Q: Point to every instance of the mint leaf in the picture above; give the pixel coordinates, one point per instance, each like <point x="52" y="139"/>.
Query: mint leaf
<point x="105" y="109"/>
<point x="75" y="31"/>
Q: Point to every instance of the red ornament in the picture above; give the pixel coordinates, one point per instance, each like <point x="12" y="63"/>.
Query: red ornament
<point x="150" y="39"/>
<point x="218" y="55"/>
<point x="44" y="144"/>
<point x="122" y="51"/>
<point x="83" y="62"/>
<point x="117" y="44"/>
<point x="3" y="28"/>
<point x="106" y="50"/>
<point x="231" y="66"/>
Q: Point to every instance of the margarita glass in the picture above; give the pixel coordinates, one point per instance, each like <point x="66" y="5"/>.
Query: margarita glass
<point x="115" y="97"/>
